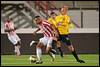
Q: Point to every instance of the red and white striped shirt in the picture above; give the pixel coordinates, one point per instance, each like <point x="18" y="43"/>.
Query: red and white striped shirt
<point x="46" y="29"/>
<point x="9" y="25"/>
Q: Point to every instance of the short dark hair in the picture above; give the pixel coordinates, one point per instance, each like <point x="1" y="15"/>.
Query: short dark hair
<point x="36" y="16"/>
<point x="52" y="13"/>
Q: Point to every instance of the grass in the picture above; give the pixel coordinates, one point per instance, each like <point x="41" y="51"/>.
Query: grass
<point x="67" y="60"/>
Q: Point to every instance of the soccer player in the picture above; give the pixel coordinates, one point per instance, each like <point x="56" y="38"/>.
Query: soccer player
<point x="49" y="36"/>
<point x="62" y="24"/>
<point x="52" y="20"/>
<point x="12" y="36"/>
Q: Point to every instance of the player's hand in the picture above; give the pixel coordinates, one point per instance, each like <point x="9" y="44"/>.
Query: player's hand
<point x="56" y="34"/>
<point x="34" y="33"/>
<point x="59" y="24"/>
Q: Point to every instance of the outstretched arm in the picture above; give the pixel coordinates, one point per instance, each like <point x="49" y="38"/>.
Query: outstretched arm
<point x="36" y="31"/>
<point x="56" y="32"/>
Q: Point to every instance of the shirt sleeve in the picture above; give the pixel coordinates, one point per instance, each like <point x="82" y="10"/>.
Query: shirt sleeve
<point x="6" y="26"/>
<point x="50" y="21"/>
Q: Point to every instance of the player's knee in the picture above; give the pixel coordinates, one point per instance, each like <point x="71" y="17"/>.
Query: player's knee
<point x="16" y="44"/>
<point x="19" y="42"/>
<point x="71" y="48"/>
<point x="48" y="49"/>
<point x="58" y="44"/>
<point x="39" y="45"/>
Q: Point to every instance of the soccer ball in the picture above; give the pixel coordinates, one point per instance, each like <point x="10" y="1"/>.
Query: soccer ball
<point x="32" y="59"/>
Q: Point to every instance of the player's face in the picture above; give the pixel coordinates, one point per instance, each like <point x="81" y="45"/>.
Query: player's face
<point x="38" y="20"/>
<point x="53" y="15"/>
<point x="64" y="10"/>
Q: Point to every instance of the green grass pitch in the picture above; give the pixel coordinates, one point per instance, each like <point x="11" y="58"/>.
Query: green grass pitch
<point x="67" y="60"/>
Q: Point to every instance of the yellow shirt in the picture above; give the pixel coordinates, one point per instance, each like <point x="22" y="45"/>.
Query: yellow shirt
<point x="62" y="23"/>
<point x="52" y="21"/>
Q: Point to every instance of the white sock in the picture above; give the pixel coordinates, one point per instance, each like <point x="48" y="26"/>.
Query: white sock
<point x="18" y="51"/>
<point x="53" y="55"/>
<point x="15" y="49"/>
<point x="39" y="53"/>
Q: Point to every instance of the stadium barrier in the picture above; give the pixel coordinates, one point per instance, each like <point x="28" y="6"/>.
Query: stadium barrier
<point x="84" y="40"/>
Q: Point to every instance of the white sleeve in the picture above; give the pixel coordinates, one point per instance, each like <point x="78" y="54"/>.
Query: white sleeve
<point x="5" y="26"/>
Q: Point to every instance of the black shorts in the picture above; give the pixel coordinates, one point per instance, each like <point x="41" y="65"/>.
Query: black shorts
<point x="65" y="39"/>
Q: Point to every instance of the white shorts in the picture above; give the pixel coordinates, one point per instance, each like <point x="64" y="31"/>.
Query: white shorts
<point x="14" y="38"/>
<point x="47" y="41"/>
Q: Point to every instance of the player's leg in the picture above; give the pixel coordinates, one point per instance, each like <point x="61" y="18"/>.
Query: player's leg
<point x="54" y="42"/>
<point x="72" y="49"/>
<point x="17" y="50"/>
<point x="39" y="52"/>
<point x="49" y="49"/>
<point x="14" y="42"/>
<point x="40" y="45"/>
<point x="18" y="44"/>
<point x="59" y="48"/>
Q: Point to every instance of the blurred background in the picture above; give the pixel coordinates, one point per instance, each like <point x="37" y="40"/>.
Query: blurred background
<point x="85" y="14"/>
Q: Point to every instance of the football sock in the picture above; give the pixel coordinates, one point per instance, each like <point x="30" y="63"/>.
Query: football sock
<point x="61" y="53"/>
<point x="39" y="53"/>
<point x="75" y="55"/>
<point x="18" y="50"/>
<point x="53" y="51"/>
<point x="15" y="49"/>
<point x="51" y="55"/>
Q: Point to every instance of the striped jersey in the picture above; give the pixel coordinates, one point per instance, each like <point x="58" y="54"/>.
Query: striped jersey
<point x="9" y="25"/>
<point x="46" y="28"/>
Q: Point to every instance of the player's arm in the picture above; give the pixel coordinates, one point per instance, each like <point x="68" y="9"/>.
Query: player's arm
<point x="36" y="31"/>
<point x="55" y="30"/>
<point x="71" y="21"/>
<point x="9" y="30"/>
<point x="71" y="24"/>
<point x="53" y="27"/>
<point x="6" y="30"/>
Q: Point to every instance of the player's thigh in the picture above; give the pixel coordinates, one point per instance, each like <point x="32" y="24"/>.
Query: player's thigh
<point x="58" y="43"/>
<point x="70" y="47"/>
<point x="12" y="39"/>
<point x="66" y="40"/>
<point x="17" y="37"/>
<point x="49" y="43"/>
<point x="44" y="40"/>
<point x="40" y="45"/>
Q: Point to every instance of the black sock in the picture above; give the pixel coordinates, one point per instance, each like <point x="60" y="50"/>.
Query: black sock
<point x="61" y="53"/>
<point x="75" y="55"/>
<point x="53" y="51"/>
<point x="53" y="44"/>
<point x="50" y="53"/>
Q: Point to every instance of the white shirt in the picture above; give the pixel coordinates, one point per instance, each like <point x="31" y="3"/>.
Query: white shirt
<point x="8" y="26"/>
